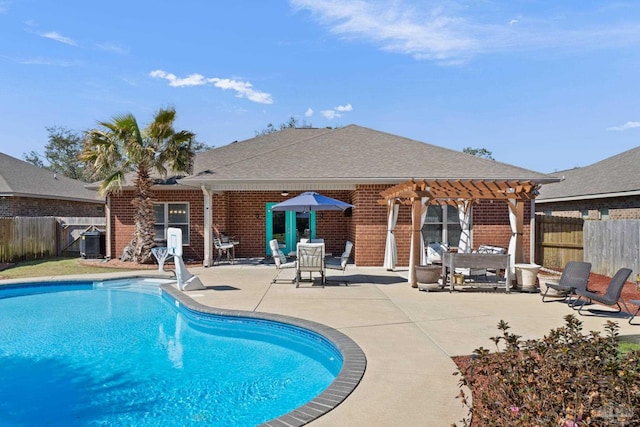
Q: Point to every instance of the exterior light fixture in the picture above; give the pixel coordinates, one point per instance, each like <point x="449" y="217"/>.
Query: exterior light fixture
<point x="284" y="193"/>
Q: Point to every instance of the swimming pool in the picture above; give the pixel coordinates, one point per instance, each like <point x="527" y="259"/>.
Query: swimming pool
<point x="89" y="354"/>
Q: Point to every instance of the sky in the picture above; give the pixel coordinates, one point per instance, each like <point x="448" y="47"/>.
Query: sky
<point x="545" y="85"/>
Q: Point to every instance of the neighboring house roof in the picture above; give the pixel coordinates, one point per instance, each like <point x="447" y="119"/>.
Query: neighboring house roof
<point x="22" y="179"/>
<point x="351" y="154"/>
<point x="612" y="177"/>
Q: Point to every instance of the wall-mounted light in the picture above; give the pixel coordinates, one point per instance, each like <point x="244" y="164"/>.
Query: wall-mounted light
<point x="284" y="193"/>
<point x="257" y="216"/>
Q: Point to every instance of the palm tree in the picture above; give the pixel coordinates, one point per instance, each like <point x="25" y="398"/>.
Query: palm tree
<point x="119" y="147"/>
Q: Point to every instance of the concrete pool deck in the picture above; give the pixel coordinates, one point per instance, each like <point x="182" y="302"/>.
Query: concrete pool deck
<point x="408" y="336"/>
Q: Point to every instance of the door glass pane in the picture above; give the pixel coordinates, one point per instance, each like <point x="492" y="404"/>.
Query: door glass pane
<point x="302" y="226"/>
<point x="278" y="226"/>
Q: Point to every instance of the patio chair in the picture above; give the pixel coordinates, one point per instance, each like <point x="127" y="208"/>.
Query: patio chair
<point x="574" y="276"/>
<point x="280" y="260"/>
<point x="611" y="297"/>
<point x="223" y="248"/>
<point x="311" y="260"/>
<point x="339" y="263"/>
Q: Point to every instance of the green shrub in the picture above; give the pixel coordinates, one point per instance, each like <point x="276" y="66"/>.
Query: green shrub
<point x="564" y="379"/>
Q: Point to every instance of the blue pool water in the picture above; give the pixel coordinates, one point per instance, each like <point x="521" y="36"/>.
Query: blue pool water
<point x="78" y="356"/>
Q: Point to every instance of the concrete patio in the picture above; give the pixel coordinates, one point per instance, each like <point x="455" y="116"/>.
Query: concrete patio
<point x="408" y="336"/>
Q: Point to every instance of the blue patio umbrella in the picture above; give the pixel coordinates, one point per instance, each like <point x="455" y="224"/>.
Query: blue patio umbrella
<point x="310" y="201"/>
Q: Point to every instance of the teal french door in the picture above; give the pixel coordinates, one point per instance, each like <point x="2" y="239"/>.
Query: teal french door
<point x="288" y="228"/>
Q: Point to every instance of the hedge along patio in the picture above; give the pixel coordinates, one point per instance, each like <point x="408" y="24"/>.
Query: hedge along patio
<point x="462" y="194"/>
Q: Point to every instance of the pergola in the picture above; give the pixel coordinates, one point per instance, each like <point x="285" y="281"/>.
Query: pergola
<point x="461" y="193"/>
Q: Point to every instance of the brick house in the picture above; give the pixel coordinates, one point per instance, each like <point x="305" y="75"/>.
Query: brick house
<point x="608" y="189"/>
<point x="27" y="190"/>
<point x="235" y="185"/>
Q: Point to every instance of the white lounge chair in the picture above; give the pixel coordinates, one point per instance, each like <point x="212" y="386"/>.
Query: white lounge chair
<point x="281" y="261"/>
<point x="339" y="263"/>
<point x="311" y="260"/>
<point x="227" y="249"/>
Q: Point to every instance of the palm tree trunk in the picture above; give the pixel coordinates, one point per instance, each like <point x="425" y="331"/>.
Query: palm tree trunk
<point x="142" y="241"/>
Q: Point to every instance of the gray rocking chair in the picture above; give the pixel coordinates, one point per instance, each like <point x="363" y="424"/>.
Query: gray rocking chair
<point x="574" y="276"/>
<point x="612" y="296"/>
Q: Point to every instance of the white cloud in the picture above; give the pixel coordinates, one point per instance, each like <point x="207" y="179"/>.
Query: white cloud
<point x="335" y="112"/>
<point x="329" y="114"/>
<point x="450" y="32"/>
<point x="59" y="38"/>
<point x="242" y="89"/>
<point x="113" y="48"/>
<point x="626" y="126"/>
<point x="47" y="61"/>
<point x="309" y="112"/>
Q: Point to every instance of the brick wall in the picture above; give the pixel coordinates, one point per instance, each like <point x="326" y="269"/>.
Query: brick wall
<point x="31" y="207"/>
<point x="123" y="227"/>
<point x="619" y="208"/>
<point x="242" y="214"/>
<point x="370" y="226"/>
<point x="490" y="226"/>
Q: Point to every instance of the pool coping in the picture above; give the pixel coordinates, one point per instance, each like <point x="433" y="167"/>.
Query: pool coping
<point x="353" y="367"/>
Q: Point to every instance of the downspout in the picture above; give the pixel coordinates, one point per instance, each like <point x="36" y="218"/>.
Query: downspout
<point x="532" y="232"/>
<point x="107" y="229"/>
<point x="207" y="227"/>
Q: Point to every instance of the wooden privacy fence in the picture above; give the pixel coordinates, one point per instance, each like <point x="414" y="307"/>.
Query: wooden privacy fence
<point x="23" y="238"/>
<point x="558" y="240"/>
<point x="612" y="244"/>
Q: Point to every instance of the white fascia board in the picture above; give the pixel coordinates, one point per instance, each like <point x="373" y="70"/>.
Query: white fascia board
<point x="589" y="197"/>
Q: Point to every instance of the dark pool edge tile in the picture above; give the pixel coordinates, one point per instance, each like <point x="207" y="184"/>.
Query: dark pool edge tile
<point x="353" y="366"/>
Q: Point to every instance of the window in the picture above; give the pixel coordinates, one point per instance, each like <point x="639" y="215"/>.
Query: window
<point x="442" y="224"/>
<point x="603" y="213"/>
<point x="584" y="214"/>
<point x="171" y="215"/>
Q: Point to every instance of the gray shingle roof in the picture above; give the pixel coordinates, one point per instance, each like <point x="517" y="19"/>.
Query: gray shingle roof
<point x="19" y="178"/>
<point x="617" y="174"/>
<point x="350" y="153"/>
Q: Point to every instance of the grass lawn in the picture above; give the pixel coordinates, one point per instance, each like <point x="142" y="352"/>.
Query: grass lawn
<point x="53" y="267"/>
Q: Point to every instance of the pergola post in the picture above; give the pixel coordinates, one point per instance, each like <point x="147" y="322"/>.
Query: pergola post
<point x="416" y="236"/>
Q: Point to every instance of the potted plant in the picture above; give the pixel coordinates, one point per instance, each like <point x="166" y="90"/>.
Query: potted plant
<point x="427" y="277"/>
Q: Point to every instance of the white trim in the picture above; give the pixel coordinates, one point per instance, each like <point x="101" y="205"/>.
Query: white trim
<point x="54" y="197"/>
<point x="590" y="197"/>
<point x="532" y="233"/>
<point x="207" y="260"/>
<point x="107" y="213"/>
